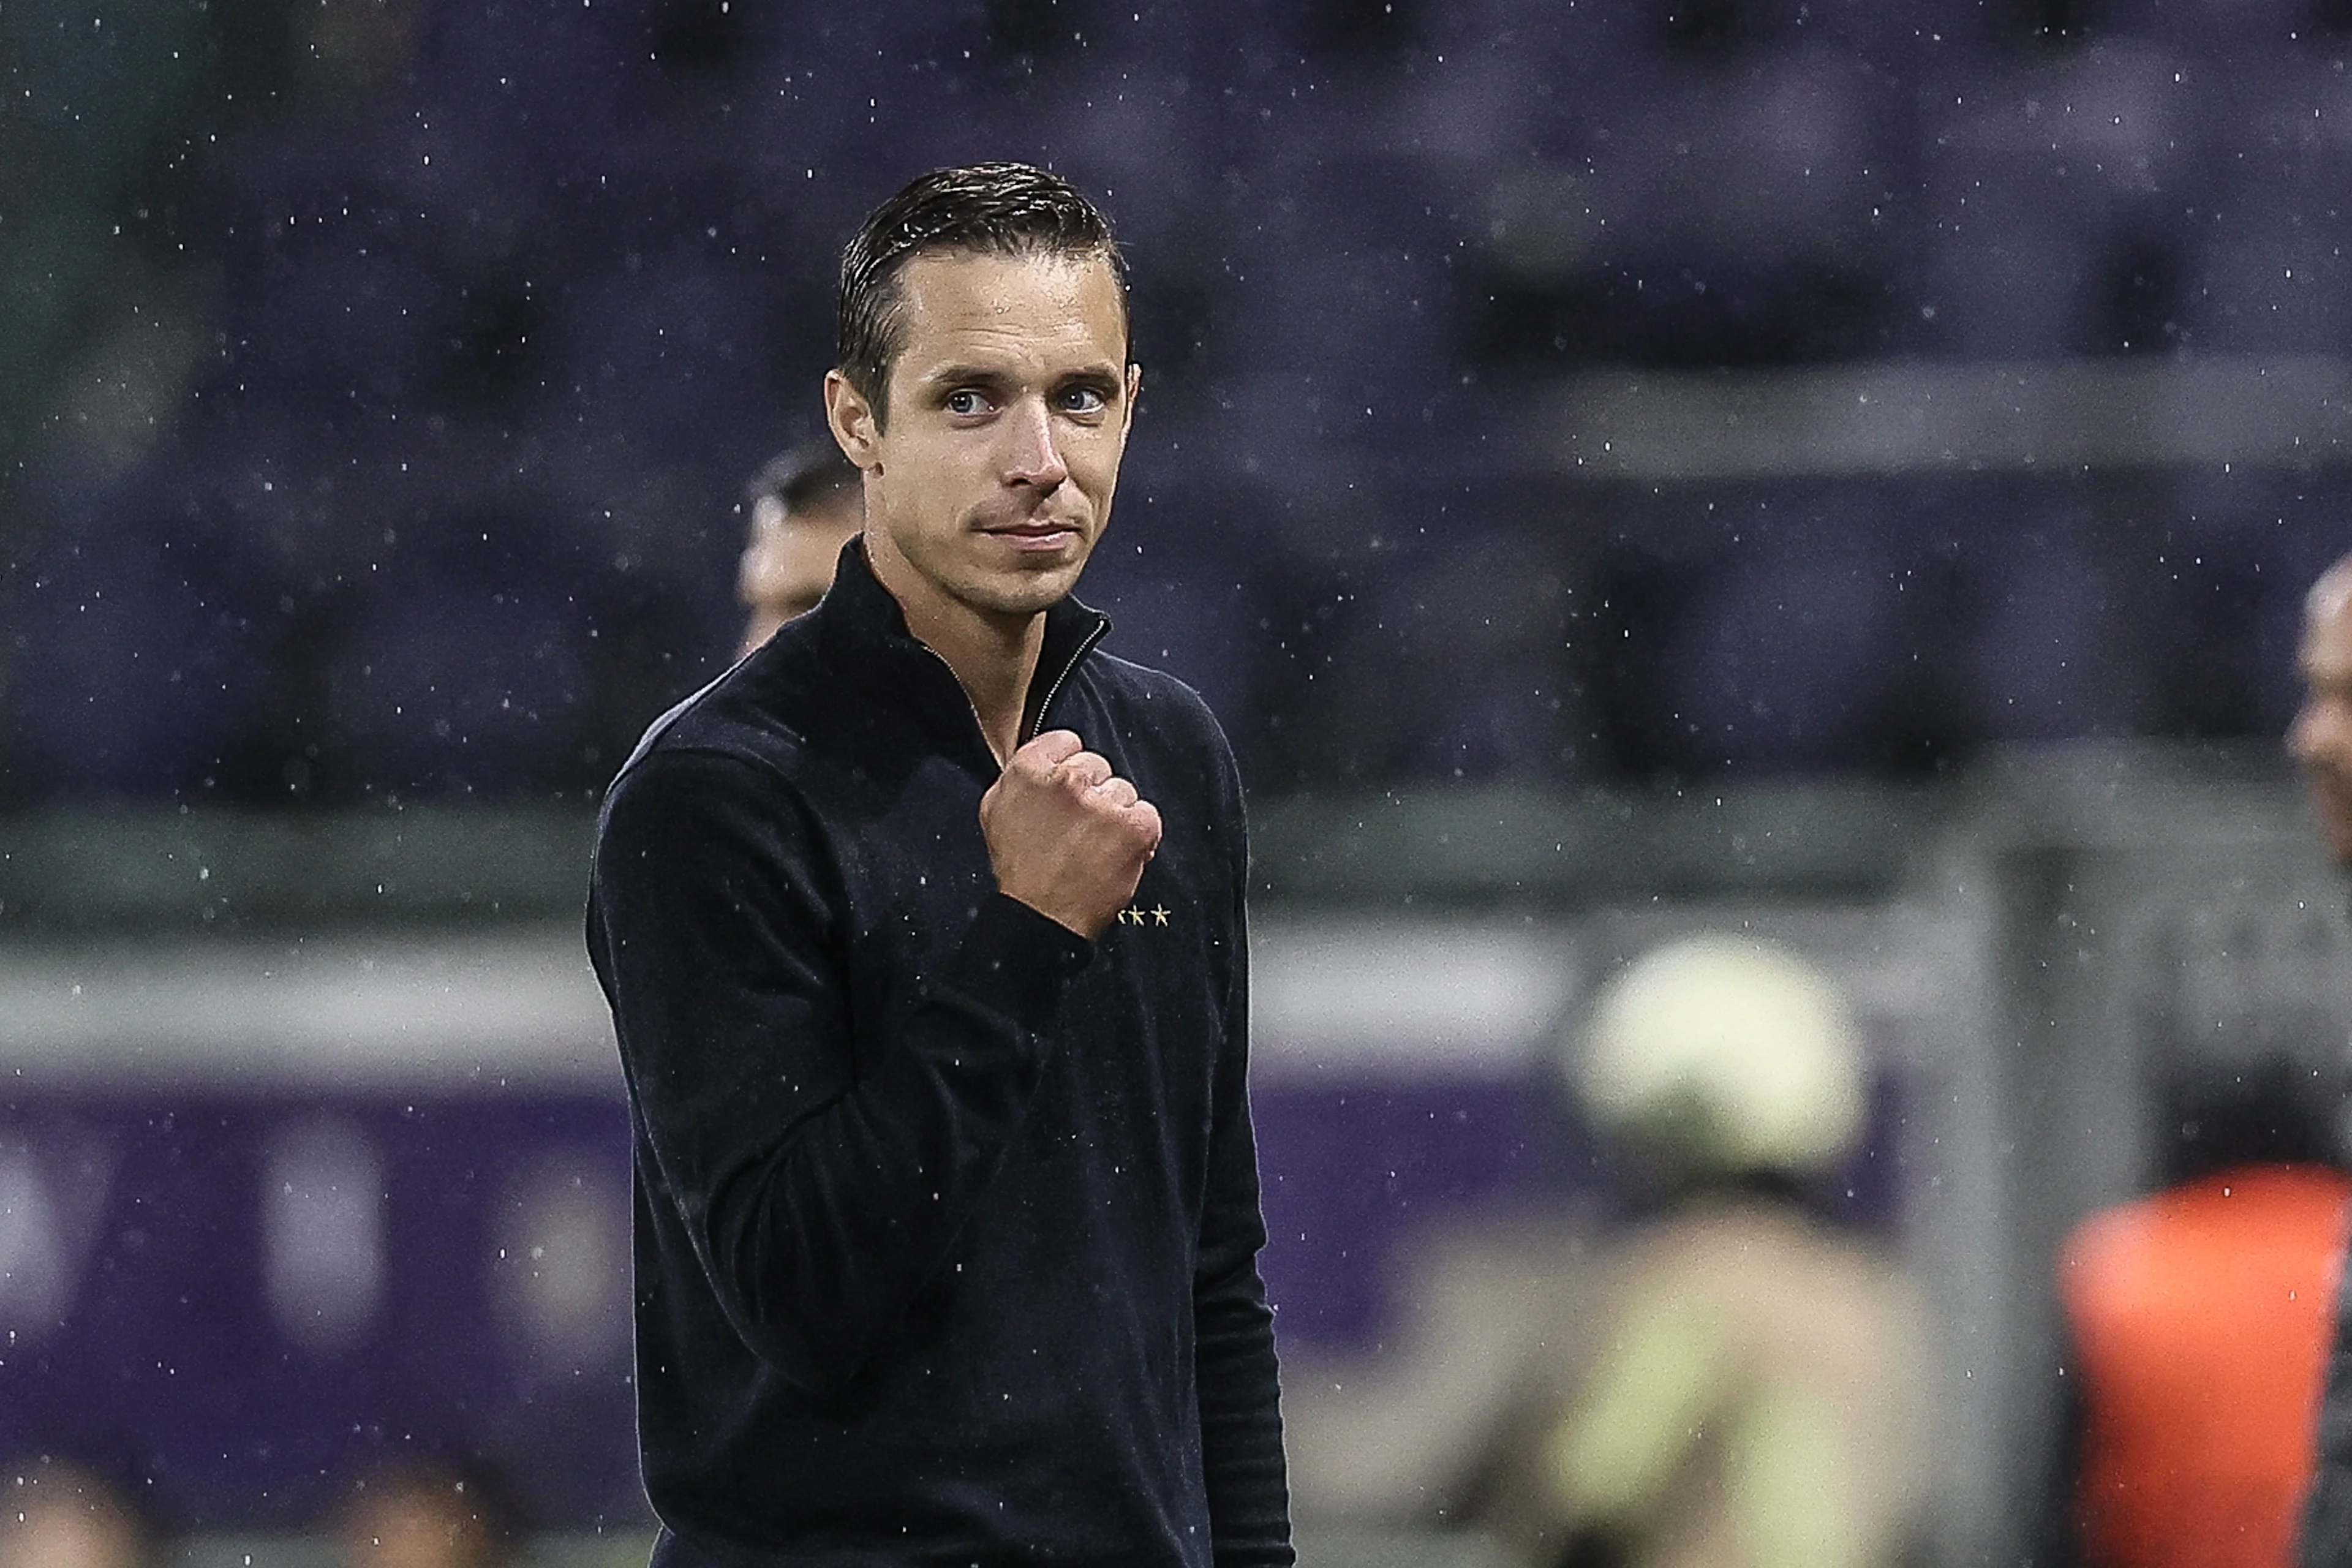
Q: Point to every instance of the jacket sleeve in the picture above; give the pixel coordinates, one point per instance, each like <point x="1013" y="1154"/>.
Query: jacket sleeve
<point x="1239" y="1380"/>
<point x="817" y="1197"/>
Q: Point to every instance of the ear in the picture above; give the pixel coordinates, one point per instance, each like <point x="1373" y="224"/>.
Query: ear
<point x="1134" y="391"/>
<point x="852" y="419"/>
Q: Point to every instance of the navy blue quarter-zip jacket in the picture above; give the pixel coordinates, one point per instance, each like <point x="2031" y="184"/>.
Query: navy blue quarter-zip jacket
<point x="946" y="1219"/>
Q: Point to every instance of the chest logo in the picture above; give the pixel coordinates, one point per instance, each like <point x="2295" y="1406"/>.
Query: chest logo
<point x="1134" y="915"/>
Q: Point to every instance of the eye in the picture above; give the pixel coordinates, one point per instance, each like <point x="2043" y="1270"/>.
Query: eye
<point x="965" y="401"/>
<point x="1084" y="400"/>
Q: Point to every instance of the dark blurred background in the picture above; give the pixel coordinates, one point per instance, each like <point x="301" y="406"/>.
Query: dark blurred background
<point x="382" y="374"/>
<point x="1847" y="469"/>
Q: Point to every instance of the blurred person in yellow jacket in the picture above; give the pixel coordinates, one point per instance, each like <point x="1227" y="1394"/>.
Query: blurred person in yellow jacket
<point x="1754" y="1389"/>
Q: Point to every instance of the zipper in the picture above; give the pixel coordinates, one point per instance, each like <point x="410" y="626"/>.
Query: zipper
<point x="1085" y="646"/>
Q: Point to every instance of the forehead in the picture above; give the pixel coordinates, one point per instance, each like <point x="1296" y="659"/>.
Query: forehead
<point x="1040" y="312"/>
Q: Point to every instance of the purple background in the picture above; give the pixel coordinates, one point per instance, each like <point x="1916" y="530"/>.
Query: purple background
<point x="170" y="1368"/>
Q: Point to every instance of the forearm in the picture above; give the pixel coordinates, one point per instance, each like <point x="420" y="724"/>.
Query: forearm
<point x="820" y="1246"/>
<point x="1241" y="1424"/>
<point x="1239" y="1380"/>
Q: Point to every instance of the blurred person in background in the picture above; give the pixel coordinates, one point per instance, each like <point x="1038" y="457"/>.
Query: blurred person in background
<point x="805" y="505"/>
<point x="2321" y="738"/>
<point x="427" y="1513"/>
<point x="57" y="1514"/>
<point x="2321" y="741"/>
<point x="1752" y="1385"/>
<point x="933" y="1011"/>
<point x="2197" y="1323"/>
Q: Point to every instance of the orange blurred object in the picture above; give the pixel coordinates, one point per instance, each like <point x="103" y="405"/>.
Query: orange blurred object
<point x="2202" y="1317"/>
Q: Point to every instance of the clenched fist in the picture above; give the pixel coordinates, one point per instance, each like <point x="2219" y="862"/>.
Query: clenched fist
<point x="1069" y="837"/>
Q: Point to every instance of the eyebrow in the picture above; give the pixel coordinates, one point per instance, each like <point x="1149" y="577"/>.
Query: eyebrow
<point x="962" y="375"/>
<point x="948" y="376"/>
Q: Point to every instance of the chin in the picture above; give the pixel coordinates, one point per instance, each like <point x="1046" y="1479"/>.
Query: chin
<point x="1027" y="593"/>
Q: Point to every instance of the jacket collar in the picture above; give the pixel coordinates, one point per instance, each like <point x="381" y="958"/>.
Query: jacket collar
<point x="862" y="636"/>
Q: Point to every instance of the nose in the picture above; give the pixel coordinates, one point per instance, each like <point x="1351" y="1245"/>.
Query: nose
<point x="1031" y="455"/>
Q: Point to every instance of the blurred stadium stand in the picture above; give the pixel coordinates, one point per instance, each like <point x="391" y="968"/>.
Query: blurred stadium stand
<point x="386" y="371"/>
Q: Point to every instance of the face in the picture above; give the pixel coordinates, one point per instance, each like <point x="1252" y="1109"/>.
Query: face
<point x="788" y="561"/>
<point x="1008" y="410"/>
<point x="2321" y="738"/>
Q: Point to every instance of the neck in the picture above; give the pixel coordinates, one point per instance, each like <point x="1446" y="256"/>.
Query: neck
<point x="994" y="656"/>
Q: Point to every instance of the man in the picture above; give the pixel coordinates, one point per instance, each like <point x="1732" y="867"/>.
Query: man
<point x="2321" y="740"/>
<point x="805" y="507"/>
<point x="2199" y="1319"/>
<point x="1749" y="1382"/>
<point x="922" y="928"/>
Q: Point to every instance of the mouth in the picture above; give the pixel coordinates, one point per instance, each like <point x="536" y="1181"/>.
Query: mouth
<point x="1034" y="534"/>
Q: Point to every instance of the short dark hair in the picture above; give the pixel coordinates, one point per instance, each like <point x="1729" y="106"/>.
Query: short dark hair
<point x="1005" y="209"/>
<point x="804" y="478"/>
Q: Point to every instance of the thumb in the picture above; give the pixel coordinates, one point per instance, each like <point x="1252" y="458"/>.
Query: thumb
<point x="1052" y="748"/>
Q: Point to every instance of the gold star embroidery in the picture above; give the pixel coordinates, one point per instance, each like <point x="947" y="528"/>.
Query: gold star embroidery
<point x="1159" y="915"/>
